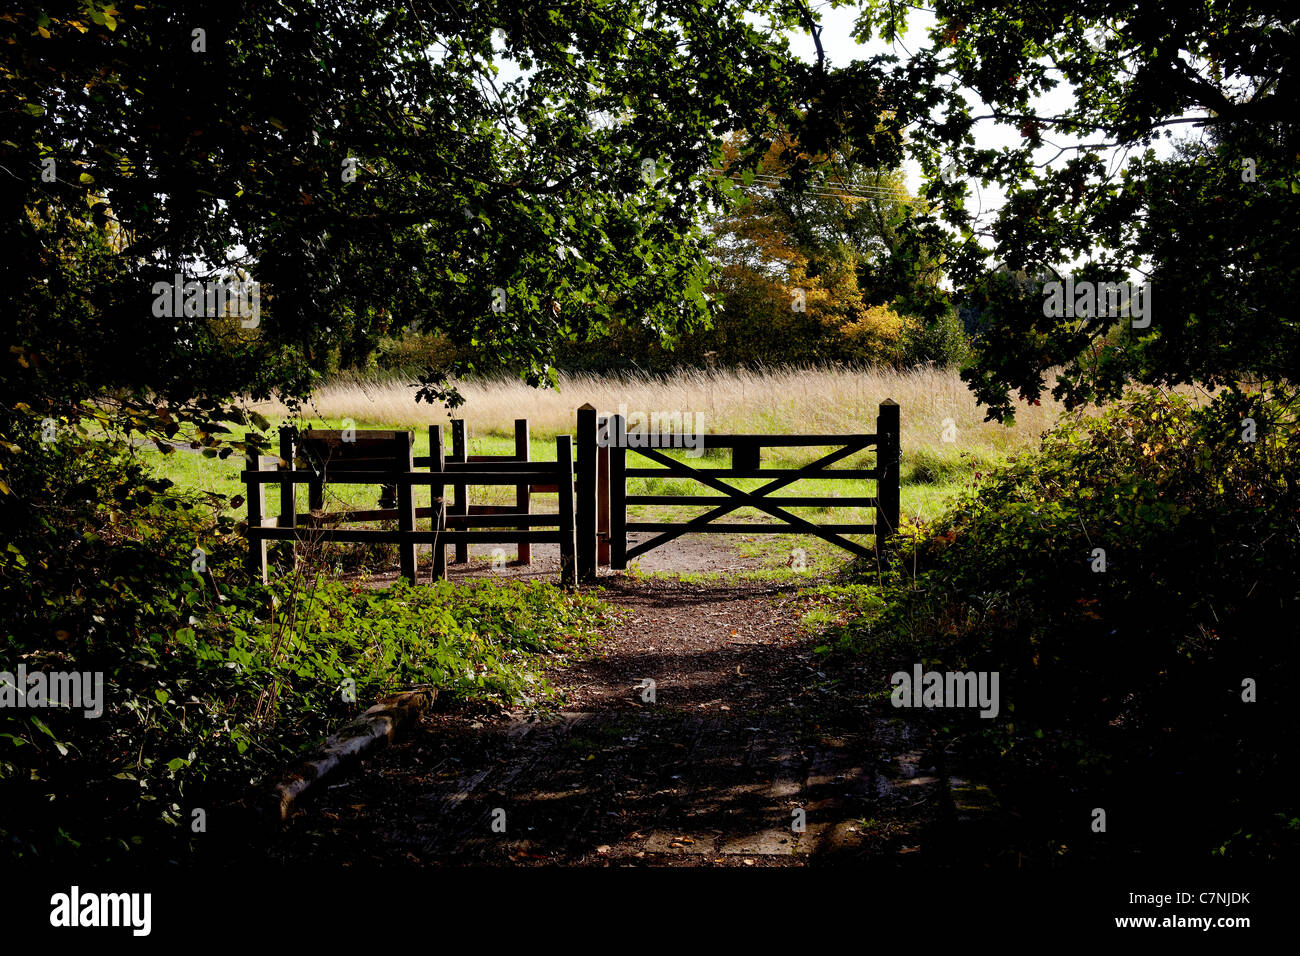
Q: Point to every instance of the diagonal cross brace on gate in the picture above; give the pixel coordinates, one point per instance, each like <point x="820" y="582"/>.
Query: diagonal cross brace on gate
<point x="754" y="499"/>
<point x="745" y="464"/>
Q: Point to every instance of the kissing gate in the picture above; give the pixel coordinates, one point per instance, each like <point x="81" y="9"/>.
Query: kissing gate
<point x="590" y="523"/>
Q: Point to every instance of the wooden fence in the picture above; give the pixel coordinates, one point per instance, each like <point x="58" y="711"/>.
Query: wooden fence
<point x="386" y="459"/>
<point x="746" y="454"/>
<point x="591" y="522"/>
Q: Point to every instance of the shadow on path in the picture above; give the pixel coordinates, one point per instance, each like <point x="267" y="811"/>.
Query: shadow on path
<point x="752" y="752"/>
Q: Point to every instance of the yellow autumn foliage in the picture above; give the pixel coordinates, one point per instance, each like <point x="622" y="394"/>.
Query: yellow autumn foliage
<point x="778" y="298"/>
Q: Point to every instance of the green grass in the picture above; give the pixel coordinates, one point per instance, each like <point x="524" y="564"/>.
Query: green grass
<point x="930" y="481"/>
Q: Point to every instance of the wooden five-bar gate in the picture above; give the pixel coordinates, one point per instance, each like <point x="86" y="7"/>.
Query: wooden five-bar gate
<point x="590" y="524"/>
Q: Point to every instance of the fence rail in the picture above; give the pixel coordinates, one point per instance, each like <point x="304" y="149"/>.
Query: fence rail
<point x="589" y="478"/>
<point x="746" y="463"/>
<point x="360" y="462"/>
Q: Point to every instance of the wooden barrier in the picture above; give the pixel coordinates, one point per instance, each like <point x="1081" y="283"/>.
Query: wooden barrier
<point x="746" y="453"/>
<point x="386" y="459"/>
<point x="460" y="508"/>
<point x="590" y="525"/>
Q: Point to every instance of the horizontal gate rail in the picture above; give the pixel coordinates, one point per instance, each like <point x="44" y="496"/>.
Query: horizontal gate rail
<point x="745" y="464"/>
<point x="792" y="501"/>
<point x="399" y="478"/>
<point x="825" y="475"/>
<point x="455" y="467"/>
<point x="549" y="475"/>
<point x="372" y="536"/>
<point x="775" y="441"/>
<point x="741" y="527"/>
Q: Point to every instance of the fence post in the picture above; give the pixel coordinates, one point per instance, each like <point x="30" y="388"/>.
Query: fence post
<point x="388" y="499"/>
<point x="288" y="491"/>
<point x="404" y="458"/>
<point x="745" y="457"/>
<point x="602" y="494"/>
<point x="585" y="491"/>
<point x="887" y="463"/>
<point x="460" y="493"/>
<point x="617" y="494"/>
<point x="438" y="462"/>
<point x="564" y="486"/>
<point x="523" y="501"/>
<point x="316" y="489"/>
<point x="256" y="509"/>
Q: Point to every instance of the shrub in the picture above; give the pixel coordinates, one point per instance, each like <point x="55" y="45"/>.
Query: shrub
<point x="942" y="342"/>
<point x="414" y="352"/>
<point x="209" y="682"/>
<point x="1140" y="665"/>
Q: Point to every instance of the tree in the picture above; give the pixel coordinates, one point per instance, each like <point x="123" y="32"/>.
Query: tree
<point x="1209" y="227"/>
<point x="789" y="262"/>
<point x="371" y="168"/>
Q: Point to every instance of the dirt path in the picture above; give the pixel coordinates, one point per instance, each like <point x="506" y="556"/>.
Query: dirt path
<point x="748" y="735"/>
<point x="688" y="554"/>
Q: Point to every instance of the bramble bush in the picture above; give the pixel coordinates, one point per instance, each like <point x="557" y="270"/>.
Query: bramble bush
<point x="1134" y="666"/>
<point x="209" y="681"/>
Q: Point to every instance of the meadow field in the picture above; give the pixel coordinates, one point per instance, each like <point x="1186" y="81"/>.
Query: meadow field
<point x="945" y="439"/>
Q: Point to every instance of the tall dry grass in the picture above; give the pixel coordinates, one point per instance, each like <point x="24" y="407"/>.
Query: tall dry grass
<point x="775" y="401"/>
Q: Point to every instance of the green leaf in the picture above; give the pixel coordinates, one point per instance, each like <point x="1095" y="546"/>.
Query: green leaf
<point x="40" y="725"/>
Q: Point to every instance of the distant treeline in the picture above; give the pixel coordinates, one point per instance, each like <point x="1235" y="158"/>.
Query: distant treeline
<point x="734" y="341"/>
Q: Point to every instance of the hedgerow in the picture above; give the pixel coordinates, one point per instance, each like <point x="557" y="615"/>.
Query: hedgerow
<point x="211" y="681"/>
<point x="1134" y="584"/>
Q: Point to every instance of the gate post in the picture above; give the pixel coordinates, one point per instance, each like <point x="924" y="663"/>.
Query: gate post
<point x="523" y="503"/>
<point x="602" y="494"/>
<point x="254" y="497"/>
<point x="460" y="499"/>
<point x="404" y="459"/>
<point x="438" y="463"/>
<point x="617" y="494"/>
<point x="585" y="493"/>
<point x="564" y="487"/>
<point x="887" y="464"/>
<point x="289" y="490"/>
